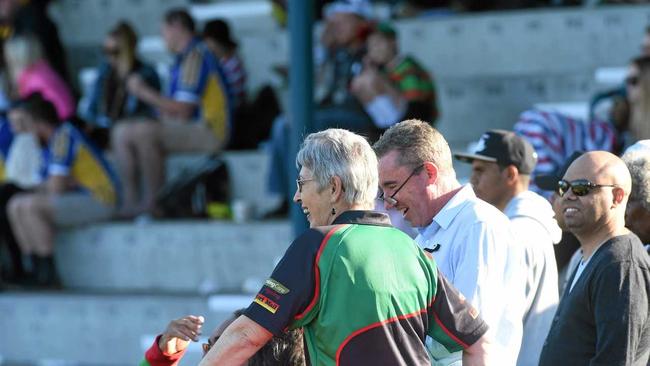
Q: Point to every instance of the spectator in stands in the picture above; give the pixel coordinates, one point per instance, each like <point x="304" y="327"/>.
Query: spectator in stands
<point x="109" y="99"/>
<point x="195" y="115"/>
<point x="613" y="105"/>
<point x="80" y="187"/>
<point x="343" y="41"/>
<point x="252" y="119"/>
<point x="216" y="35"/>
<point x="500" y="176"/>
<point x="569" y="243"/>
<point x="393" y="87"/>
<point x="555" y="136"/>
<point x="471" y="240"/>
<point x="638" y="95"/>
<point x="25" y="17"/>
<point x="603" y="316"/>
<point x="21" y="164"/>
<point x="6" y="191"/>
<point x="637" y="214"/>
<point x="31" y="73"/>
<point x="168" y="348"/>
<point x="328" y="281"/>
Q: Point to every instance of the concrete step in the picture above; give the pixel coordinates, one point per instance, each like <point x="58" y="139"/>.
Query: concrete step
<point x="99" y="329"/>
<point x="191" y="256"/>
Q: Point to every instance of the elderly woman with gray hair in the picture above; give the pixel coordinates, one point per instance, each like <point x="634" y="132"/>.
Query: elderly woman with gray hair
<point x="362" y="290"/>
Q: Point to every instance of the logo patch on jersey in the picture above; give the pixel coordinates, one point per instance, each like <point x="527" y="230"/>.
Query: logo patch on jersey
<point x="266" y="303"/>
<point x="276" y="286"/>
<point x="473" y="312"/>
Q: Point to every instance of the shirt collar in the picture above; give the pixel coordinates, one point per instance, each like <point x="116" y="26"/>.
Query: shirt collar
<point x="363" y="218"/>
<point x="444" y="218"/>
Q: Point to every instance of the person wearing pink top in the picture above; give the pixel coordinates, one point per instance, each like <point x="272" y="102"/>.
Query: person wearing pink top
<point x="30" y="74"/>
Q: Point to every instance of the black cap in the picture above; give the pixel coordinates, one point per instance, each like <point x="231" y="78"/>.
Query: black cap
<point x="504" y="148"/>
<point x="548" y="182"/>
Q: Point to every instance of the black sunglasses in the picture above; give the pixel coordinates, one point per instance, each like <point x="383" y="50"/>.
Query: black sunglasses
<point x="391" y="199"/>
<point x="632" y="80"/>
<point x="579" y="187"/>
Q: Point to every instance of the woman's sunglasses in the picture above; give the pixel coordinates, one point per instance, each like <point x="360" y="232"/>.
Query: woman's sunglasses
<point x="579" y="187"/>
<point x="632" y="80"/>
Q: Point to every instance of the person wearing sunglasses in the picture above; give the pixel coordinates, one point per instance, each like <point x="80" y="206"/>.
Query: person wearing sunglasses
<point x="471" y="240"/>
<point x="500" y="176"/>
<point x="169" y="347"/>
<point x="108" y="100"/>
<point x="362" y="290"/>
<point x="603" y="317"/>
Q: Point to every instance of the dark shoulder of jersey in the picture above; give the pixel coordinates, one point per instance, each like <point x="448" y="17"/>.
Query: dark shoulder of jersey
<point x="291" y="286"/>
<point x="456" y="324"/>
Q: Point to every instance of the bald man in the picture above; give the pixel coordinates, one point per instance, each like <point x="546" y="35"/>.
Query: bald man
<point x="603" y="317"/>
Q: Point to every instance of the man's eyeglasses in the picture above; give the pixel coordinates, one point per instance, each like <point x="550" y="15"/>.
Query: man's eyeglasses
<point x="579" y="187"/>
<point x="391" y="199"/>
<point x="300" y="182"/>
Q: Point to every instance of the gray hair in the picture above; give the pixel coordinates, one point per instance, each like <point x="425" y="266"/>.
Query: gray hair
<point x="638" y="163"/>
<point x="417" y="142"/>
<point x="341" y="153"/>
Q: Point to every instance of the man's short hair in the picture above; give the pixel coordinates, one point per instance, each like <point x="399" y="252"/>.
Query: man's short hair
<point x="638" y="163"/>
<point x="417" y="142"/>
<point x="341" y="153"/>
<point x="181" y="17"/>
<point x="39" y="109"/>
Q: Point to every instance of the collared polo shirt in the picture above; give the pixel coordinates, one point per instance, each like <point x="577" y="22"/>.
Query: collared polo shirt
<point x="474" y="248"/>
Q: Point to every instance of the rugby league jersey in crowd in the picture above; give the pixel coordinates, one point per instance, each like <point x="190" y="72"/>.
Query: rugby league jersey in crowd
<point x="197" y="78"/>
<point x="365" y="294"/>
<point x="6" y="137"/>
<point x="71" y="154"/>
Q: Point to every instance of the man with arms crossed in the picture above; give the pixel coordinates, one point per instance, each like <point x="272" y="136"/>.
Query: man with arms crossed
<point x="603" y="317"/>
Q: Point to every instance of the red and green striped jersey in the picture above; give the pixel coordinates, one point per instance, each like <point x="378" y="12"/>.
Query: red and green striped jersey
<point x="364" y="293"/>
<point x="414" y="83"/>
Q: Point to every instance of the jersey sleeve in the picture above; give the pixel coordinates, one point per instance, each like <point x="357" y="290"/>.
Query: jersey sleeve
<point x="290" y="288"/>
<point x="155" y="357"/>
<point x="191" y="79"/>
<point x="453" y="322"/>
<point x="62" y="149"/>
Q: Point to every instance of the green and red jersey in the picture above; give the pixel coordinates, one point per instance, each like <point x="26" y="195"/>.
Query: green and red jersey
<point x="364" y="293"/>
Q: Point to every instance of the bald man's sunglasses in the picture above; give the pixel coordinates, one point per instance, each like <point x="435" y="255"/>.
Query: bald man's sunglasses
<point x="579" y="187"/>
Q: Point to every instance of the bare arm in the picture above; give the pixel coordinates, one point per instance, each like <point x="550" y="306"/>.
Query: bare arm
<point x="151" y="96"/>
<point x="56" y="184"/>
<point x="477" y="354"/>
<point x="238" y="343"/>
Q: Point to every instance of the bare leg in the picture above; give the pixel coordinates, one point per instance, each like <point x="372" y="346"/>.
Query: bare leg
<point x="37" y="226"/>
<point x="151" y="159"/>
<point x="15" y="214"/>
<point x="123" y="145"/>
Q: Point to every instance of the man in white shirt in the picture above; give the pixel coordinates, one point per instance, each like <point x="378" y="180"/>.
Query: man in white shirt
<point x="470" y="239"/>
<point x="500" y="176"/>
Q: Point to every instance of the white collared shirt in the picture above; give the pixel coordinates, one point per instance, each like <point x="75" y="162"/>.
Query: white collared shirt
<point x="474" y="248"/>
